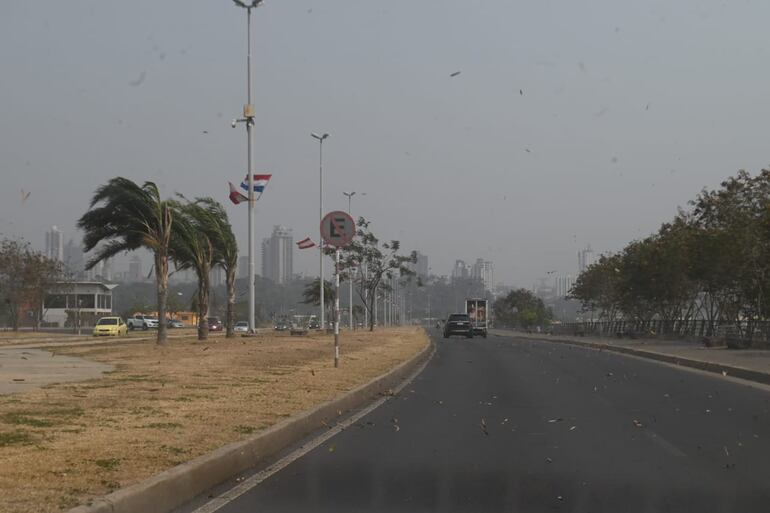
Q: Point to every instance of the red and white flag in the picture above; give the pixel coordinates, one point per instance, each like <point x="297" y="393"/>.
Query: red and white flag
<point x="236" y="196"/>
<point x="306" y="243"/>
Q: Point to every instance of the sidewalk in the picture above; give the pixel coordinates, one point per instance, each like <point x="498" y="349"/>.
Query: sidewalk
<point x="753" y="365"/>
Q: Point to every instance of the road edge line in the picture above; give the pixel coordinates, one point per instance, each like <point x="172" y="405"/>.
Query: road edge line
<point x="176" y="486"/>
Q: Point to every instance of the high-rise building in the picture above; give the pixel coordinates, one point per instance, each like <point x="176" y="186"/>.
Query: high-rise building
<point x="563" y="284"/>
<point x="135" y="269"/>
<point x="460" y="270"/>
<point x="278" y="255"/>
<point x="483" y="270"/>
<point x="107" y="270"/>
<point x="54" y="247"/>
<point x="243" y="267"/>
<point x="585" y="258"/>
<point x="421" y="266"/>
<point x="74" y="260"/>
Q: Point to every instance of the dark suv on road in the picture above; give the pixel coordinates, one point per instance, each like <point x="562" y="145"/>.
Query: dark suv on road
<point x="458" y="324"/>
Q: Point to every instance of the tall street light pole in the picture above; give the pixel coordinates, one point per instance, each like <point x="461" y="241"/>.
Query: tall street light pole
<point x="248" y="119"/>
<point x="321" y="139"/>
<point x="350" y="275"/>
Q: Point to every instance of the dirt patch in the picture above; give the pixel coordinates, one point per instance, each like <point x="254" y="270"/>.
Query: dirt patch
<point x="24" y="369"/>
<point x="63" y="444"/>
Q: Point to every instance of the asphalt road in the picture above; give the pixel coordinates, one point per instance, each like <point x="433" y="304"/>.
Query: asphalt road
<point x="530" y="426"/>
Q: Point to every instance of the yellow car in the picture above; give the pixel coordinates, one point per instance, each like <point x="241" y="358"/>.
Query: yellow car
<point x="110" y="326"/>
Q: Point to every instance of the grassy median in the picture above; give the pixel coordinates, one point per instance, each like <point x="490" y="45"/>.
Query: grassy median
<point x="63" y="444"/>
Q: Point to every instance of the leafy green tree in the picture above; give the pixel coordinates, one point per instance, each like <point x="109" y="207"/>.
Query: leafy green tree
<point x="376" y="264"/>
<point x="597" y="287"/>
<point x="521" y="308"/>
<point x="26" y="277"/>
<point x="710" y="262"/>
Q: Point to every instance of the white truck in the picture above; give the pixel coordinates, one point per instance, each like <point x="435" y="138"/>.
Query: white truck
<point x="477" y="312"/>
<point x="141" y="322"/>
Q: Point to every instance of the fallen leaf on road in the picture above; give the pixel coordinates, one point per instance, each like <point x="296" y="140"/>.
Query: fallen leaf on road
<point x="484" y="427"/>
<point x="206" y="348"/>
<point x="727" y="453"/>
<point x="724" y="373"/>
<point x="637" y="423"/>
<point x="556" y="420"/>
<point x="548" y="460"/>
<point x="331" y="448"/>
<point x="311" y="370"/>
<point x="572" y="428"/>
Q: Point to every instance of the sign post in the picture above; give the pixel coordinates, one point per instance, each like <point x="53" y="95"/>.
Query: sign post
<point x="337" y="230"/>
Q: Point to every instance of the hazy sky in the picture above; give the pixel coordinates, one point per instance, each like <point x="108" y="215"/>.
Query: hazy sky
<point x="628" y="110"/>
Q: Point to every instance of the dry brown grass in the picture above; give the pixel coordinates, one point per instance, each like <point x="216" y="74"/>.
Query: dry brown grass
<point x="63" y="444"/>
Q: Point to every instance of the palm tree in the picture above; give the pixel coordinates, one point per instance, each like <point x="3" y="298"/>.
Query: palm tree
<point x="191" y="248"/>
<point x="130" y="217"/>
<point x="220" y="233"/>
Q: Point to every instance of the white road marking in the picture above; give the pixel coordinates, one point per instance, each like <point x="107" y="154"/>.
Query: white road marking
<point x="219" y="502"/>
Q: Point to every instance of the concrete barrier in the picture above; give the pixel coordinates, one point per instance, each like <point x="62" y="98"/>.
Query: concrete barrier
<point x="176" y="486"/>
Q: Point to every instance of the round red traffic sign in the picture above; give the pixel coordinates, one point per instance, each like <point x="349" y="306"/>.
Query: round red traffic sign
<point x="338" y="229"/>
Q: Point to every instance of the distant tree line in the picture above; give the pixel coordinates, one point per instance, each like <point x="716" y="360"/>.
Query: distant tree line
<point x="710" y="263"/>
<point x="521" y="309"/>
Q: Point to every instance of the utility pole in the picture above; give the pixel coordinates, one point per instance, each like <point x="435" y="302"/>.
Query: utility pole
<point x="248" y="119"/>
<point x="321" y="139"/>
<point x="350" y="271"/>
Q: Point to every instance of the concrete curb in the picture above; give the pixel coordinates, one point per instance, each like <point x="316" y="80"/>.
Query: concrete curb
<point x="717" y="368"/>
<point x="176" y="486"/>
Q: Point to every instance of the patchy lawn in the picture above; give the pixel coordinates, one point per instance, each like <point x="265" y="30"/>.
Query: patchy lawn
<point x="63" y="444"/>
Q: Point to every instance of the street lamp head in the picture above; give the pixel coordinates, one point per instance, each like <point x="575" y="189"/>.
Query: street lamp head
<point x="248" y="5"/>
<point x="319" y="137"/>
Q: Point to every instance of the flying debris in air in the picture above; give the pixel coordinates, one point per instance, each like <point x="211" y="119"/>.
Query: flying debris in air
<point x="25" y="195"/>
<point x="455" y="74"/>
<point x="521" y="92"/>
<point x="138" y="81"/>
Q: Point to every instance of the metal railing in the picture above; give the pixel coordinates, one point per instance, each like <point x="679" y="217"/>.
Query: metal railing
<point x="744" y="334"/>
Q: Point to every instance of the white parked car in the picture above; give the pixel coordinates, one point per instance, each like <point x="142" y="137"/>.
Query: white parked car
<point x="142" y="322"/>
<point x="241" y="327"/>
